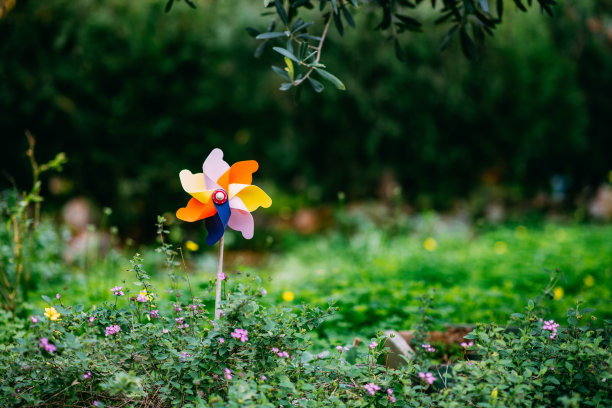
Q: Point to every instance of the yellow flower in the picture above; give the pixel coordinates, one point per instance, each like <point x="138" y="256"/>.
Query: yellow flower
<point x="520" y="232"/>
<point x="589" y="281"/>
<point x="500" y="247"/>
<point x="145" y="294"/>
<point x="288" y="296"/>
<point x="430" y="244"/>
<point x="558" y="293"/>
<point x="494" y="393"/>
<point x="51" y="313"/>
<point x="192" y="246"/>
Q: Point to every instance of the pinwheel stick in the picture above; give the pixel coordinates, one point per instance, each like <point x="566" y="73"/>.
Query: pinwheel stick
<point x="219" y="280"/>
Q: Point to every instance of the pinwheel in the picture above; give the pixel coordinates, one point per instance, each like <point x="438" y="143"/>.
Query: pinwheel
<point x="222" y="196"/>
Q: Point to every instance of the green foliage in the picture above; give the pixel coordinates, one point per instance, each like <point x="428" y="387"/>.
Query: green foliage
<point x="99" y="88"/>
<point x="484" y="274"/>
<point x="20" y="216"/>
<point x="179" y="359"/>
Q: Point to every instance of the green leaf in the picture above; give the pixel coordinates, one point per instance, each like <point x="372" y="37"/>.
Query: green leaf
<point x="468" y="47"/>
<point x="169" y="5"/>
<point x="285" y="86"/>
<point x="286" y="53"/>
<point x="281" y="72"/>
<point x="46" y="299"/>
<point x="448" y="37"/>
<point x="281" y="11"/>
<point x="273" y="34"/>
<point x="331" y="78"/>
<point x="316" y="85"/>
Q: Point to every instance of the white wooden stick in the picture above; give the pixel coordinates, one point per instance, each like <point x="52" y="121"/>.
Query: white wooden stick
<point x="219" y="281"/>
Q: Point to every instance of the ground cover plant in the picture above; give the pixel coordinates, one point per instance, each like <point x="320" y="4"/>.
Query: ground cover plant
<point x="131" y="352"/>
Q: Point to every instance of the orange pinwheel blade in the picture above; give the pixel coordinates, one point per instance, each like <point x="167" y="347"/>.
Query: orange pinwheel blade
<point x="195" y="210"/>
<point x="242" y="172"/>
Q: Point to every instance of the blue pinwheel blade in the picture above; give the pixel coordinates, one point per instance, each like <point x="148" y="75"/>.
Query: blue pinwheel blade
<point x="216" y="224"/>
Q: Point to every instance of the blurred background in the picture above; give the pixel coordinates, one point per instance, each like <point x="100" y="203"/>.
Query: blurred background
<point x="436" y="147"/>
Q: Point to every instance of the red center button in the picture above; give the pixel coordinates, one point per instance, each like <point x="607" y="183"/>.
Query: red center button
<point x="219" y="196"/>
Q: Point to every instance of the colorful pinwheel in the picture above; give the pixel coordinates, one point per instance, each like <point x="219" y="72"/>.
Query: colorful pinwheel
<point x="222" y="196"/>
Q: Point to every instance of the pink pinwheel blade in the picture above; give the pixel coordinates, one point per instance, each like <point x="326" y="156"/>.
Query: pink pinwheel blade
<point x="214" y="167"/>
<point x="241" y="219"/>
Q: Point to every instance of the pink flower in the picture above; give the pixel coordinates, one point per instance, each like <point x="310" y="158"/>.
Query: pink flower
<point x="373" y="345"/>
<point x="427" y="377"/>
<point x="141" y="298"/>
<point x="96" y="404"/>
<point x="282" y="354"/>
<point x="87" y="375"/>
<point x="466" y="345"/>
<point x="34" y="319"/>
<point x="240" y="334"/>
<point x="58" y="296"/>
<point x="117" y="291"/>
<point x="177" y="308"/>
<point x="221" y="276"/>
<point x="91" y="320"/>
<point x="44" y="343"/>
<point x="342" y="349"/>
<point x="164" y="331"/>
<point x="264" y="292"/>
<point x="428" y="348"/>
<point x="552" y="327"/>
<point x="221" y="340"/>
<point x="228" y="374"/>
<point x="390" y="395"/>
<point x="154" y="313"/>
<point x="112" y="329"/>
<point x="184" y="355"/>
<point x="263" y="378"/>
<point x="371" y="388"/>
<point x="274" y="349"/>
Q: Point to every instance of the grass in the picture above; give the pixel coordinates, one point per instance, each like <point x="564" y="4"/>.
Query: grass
<point x="377" y="276"/>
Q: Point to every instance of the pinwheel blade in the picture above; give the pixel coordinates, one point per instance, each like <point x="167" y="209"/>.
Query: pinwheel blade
<point x="216" y="224"/>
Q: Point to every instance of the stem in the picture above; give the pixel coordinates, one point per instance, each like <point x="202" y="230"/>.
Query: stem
<point x="219" y="282"/>
<point x="319" y="48"/>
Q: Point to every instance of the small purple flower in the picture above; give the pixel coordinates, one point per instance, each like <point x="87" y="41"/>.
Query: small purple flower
<point x="228" y="374"/>
<point x="371" y="388"/>
<point x="320" y="355"/>
<point x="263" y="378"/>
<point x="428" y="348"/>
<point x="390" y="395"/>
<point x="112" y="329"/>
<point x="221" y="276"/>
<point x="427" y="377"/>
<point x="58" y="296"/>
<point x="87" y="375"/>
<point x="164" y="331"/>
<point x="180" y="323"/>
<point x="141" y="298"/>
<point x="274" y="349"/>
<point x="283" y="354"/>
<point x="117" y="291"/>
<point x="264" y="292"/>
<point x="342" y="349"/>
<point x="34" y="319"/>
<point x="154" y="313"/>
<point x="184" y="355"/>
<point x="373" y="345"/>
<point x="240" y="334"/>
<point x="44" y="343"/>
<point x="466" y="345"/>
<point x="96" y="404"/>
<point x="551" y="326"/>
<point x="177" y="308"/>
<point x="221" y="340"/>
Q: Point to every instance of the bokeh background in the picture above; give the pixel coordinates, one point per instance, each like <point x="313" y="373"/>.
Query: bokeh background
<point x="473" y="178"/>
<point x="133" y="95"/>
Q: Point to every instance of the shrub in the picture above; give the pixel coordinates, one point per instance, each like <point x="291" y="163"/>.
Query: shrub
<point x="133" y="351"/>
